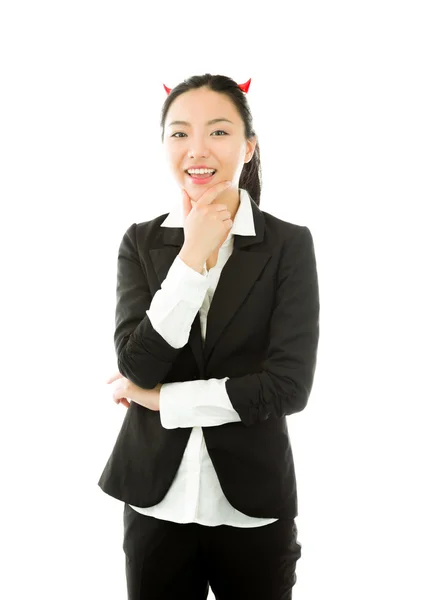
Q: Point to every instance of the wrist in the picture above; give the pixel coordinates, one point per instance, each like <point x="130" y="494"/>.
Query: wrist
<point x="191" y="259"/>
<point x="157" y="399"/>
<point x="148" y="398"/>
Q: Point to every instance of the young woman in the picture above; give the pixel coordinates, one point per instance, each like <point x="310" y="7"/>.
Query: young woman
<point x="217" y="328"/>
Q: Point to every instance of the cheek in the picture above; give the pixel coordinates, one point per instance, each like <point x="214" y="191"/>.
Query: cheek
<point x="174" y="164"/>
<point x="177" y="160"/>
<point x="171" y="154"/>
<point x="230" y="154"/>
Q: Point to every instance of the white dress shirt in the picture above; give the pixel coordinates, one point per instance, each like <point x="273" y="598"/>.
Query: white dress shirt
<point x="195" y="495"/>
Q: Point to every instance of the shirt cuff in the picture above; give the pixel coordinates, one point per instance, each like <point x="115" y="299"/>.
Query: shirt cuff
<point x="175" y="306"/>
<point x="186" y="283"/>
<point x="199" y="403"/>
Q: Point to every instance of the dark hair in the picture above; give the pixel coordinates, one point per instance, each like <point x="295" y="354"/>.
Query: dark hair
<point x="251" y="175"/>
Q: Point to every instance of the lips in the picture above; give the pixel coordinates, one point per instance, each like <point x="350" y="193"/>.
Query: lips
<point x="201" y="179"/>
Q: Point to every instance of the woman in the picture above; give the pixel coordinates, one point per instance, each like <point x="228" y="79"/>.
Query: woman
<point x="203" y="460"/>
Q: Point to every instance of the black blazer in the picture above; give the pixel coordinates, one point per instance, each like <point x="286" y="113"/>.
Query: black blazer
<point x="262" y="332"/>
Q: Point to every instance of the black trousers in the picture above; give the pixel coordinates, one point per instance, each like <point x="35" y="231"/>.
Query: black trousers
<point x="172" y="561"/>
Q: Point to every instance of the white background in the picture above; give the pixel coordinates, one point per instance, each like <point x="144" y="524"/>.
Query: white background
<point x="338" y="100"/>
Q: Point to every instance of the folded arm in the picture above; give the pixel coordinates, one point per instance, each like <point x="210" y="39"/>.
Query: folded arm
<point x="284" y="384"/>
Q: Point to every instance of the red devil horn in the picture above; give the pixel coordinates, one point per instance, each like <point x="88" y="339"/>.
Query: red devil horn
<point x="245" y="86"/>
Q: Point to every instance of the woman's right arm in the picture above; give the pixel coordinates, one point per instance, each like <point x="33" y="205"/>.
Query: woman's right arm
<point x="143" y="355"/>
<point x="151" y="331"/>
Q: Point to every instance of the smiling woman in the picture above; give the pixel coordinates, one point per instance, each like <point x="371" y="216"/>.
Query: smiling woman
<point x="218" y="307"/>
<point x="207" y="125"/>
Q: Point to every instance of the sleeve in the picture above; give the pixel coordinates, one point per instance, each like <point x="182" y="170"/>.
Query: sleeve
<point x="143" y="355"/>
<point x="283" y="385"/>
<point x="175" y="306"/>
<point x="199" y="403"/>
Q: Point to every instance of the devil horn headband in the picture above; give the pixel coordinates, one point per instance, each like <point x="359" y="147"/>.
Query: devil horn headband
<point x="243" y="86"/>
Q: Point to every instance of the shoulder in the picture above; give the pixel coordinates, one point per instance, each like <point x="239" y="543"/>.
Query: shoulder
<point x="284" y="232"/>
<point x="145" y="233"/>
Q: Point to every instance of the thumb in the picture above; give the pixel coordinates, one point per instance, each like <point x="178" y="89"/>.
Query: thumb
<point x="187" y="203"/>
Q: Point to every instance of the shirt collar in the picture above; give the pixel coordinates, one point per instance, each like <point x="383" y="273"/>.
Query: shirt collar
<point x="243" y="221"/>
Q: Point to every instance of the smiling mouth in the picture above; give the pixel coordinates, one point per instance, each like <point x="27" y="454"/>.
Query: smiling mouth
<point x="201" y="175"/>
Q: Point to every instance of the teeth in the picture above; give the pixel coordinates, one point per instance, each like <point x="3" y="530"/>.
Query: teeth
<point x="200" y="171"/>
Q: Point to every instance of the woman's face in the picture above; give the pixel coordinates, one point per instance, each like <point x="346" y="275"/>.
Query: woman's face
<point x="221" y="145"/>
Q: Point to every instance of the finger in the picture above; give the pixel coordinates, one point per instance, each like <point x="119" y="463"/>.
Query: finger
<point x="114" y="377"/>
<point x="123" y="401"/>
<point x="210" y="195"/>
<point x="186" y="197"/>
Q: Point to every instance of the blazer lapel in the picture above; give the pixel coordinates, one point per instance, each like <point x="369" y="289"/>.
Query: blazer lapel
<point x="237" y="278"/>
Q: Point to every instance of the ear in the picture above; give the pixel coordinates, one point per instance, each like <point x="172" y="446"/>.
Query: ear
<point x="251" y="145"/>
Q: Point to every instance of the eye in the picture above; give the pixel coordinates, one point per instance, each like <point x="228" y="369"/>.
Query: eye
<point x="181" y="132"/>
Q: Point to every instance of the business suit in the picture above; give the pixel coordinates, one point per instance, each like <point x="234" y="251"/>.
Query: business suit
<point x="195" y="495"/>
<point x="262" y="333"/>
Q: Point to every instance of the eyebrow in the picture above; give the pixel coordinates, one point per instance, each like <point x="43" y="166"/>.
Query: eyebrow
<point x="211" y="122"/>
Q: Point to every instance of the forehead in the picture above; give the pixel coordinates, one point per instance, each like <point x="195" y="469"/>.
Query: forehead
<point x="202" y="104"/>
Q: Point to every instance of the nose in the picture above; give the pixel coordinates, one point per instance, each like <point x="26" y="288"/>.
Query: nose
<point x="198" y="147"/>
